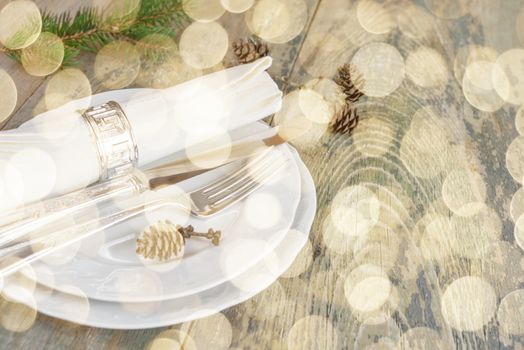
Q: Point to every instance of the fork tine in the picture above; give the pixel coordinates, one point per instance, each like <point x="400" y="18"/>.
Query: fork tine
<point x="234" y="175"/>
<point x="247" y="173"/>
<point x="248" y="185"/>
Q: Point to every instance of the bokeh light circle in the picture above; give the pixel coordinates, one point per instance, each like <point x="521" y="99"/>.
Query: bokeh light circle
<point x="381" y="67"/>
<point x="8" y="95"/>
<point x="44" y="56"/>
<point x="237" y="6"/>
<point x="508" y="78"/>
<point x="468" y="303"/>
<point x="65" y="86"/>
<point x="203" y="10"/>
<point x="203" y="45"/>
<point x="277" y="21"/>
<point x="427" y="68"/>
<point x="117" y="64"/>
<point x="20" y="24"/>
<point x="511" y="313"/>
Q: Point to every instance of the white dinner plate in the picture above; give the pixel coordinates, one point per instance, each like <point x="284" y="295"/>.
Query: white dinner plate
<point x="250" y="229"/>
<point x="115" y="315"/>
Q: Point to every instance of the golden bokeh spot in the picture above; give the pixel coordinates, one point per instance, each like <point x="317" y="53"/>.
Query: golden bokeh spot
<point x="291" y="114"/>
<point x="450" y="9"/>
<point x="18" y="286"/>
<point x="469" y="54"/>
<point x="161" y="64"/>
<point x="330" y="92"/>
<point x="117" y="65"/>
<point x="65" y="86"/>
<point x="515" y="159"/>
<point x="511" y="313"/>
<point x="277" y="21"/>
<point x="264" y="273"/>
<point x="302" y="261"/>
<point x="314" y="107"/>
<point x="17" y="317"/>
<point x="377" y="333"/>
<point x="518" y="232"/>
<point x="422" y="338"/>
<point x="44" y="56"/>
<point x="203" y="45"/>
<point x="464" y="192"/>
<point x="219" y="142"/>
<point x="172" y="339"/>
<point x="380" y="246"/>
<point x="438" y="239"/>
<point x="468" y="303"/>
<point x="13" y="186"/>
<point x="519" y="121"/>
<point x="311" y="333"/>
<point x="156" y="47"/>
<point x="117" y="15"/>
<point x="20" y="24"/>
<point x="262" y="210"/>
<point x="381" y="67"/>
<point x="375" y="17"/>
<point x="355" y="210"/>
<point x="427" y="68"/>
<point x="203" y="10"/>
<point x="336" y="240"/>
<point x="475" y="235"/>
<point x="516" y="206"/>
<point x="213" y="332"/>
<point x="369" y="294"/>
<point x="478" y="88"/>
<point x="8" y="95"/>
<point x="508" y="78"/>
<point x="237" y="6"/>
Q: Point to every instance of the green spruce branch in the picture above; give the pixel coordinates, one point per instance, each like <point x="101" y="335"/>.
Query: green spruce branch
<point x="88" y="30"/>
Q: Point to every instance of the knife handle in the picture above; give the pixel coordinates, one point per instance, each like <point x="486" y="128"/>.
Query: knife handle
<point x="19" y="223"/>
<point x="47" y="241"/>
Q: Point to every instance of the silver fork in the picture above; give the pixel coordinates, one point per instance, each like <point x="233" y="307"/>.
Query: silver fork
<point x="203" y="202"/>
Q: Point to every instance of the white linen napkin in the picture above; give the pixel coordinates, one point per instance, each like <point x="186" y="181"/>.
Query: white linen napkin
<point x="54" y="152"/>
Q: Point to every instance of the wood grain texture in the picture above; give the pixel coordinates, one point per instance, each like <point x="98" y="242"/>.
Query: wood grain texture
<point x="419" y="244"/>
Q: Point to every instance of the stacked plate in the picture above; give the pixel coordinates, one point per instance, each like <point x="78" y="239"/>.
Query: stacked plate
<point x="103" y="283"/>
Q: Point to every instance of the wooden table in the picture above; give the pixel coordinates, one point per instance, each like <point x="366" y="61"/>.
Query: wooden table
<point x="431" y="257"/>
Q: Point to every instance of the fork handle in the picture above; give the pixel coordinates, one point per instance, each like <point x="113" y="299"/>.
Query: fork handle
<point x="23" y="221"/>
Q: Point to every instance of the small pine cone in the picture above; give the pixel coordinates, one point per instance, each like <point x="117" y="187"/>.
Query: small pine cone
<point x="160" y="242"/>
<point x="249" y="50"/>
<point x="345" y="121"/>
<point x="350" y="83"/>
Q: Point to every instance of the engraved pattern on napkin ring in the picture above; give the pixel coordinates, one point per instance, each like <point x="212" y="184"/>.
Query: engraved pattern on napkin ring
<point x="116" y="146"/>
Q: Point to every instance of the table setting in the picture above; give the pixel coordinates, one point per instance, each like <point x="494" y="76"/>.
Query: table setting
<point x="261" y="174"/>
<point x="94" y="266"/>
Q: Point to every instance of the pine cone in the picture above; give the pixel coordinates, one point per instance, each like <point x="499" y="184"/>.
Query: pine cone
<point x="249" y="50"/>
<point x="161" y="242"/>
<point x="350" y="82"/>
<point x="345" y="121"/>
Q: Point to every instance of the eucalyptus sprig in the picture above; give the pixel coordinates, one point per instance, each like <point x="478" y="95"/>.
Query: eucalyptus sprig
<point x="89" y="29"/>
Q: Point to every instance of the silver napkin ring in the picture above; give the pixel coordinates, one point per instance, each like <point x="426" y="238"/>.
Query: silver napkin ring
<point x="116" y="145"/>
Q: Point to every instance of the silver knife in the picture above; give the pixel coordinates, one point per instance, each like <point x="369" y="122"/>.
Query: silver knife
<point x="36" y="216"/>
